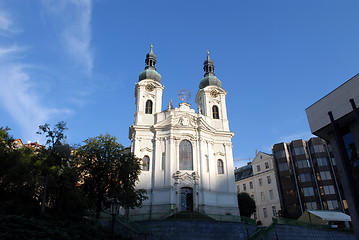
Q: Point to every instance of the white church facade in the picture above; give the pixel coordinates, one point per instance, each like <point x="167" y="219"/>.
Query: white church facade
<point x="187" y="155"/>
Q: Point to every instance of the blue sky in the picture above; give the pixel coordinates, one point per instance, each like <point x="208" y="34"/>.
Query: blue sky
<point x="79" y="60"/>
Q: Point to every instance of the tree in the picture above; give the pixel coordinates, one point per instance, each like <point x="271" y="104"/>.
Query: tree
<point x="60" y="192"/>
<point x="18" y="177"/>
<point x="51" y="157"/>
<point x="247" y="206"/>
<point x="109" y="171"/>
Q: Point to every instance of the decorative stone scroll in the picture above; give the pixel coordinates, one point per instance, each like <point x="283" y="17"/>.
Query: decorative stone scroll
<point x="185" y="177"/>
<point x="219" y="153"/>
<point x="146" y="149"/>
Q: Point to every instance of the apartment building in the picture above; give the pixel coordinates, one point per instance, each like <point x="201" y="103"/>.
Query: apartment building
<point x="307" y="177"/>
<point x="335" y="118"/>
<point x="259" y="181"/>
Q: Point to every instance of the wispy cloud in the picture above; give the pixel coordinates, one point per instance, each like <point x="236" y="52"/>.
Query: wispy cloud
<point x="7" y="25"/>
<point x="5" y="52"/>
<point x="302" y="135"/>
<point x="17" y="96"/>
<point x="74" y="17"/>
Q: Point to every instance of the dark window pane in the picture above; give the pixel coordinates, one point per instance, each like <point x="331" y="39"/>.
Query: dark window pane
<point x="185" y="155"/>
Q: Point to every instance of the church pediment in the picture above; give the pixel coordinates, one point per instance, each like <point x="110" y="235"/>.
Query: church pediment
<point x="179" y="121"/>
<point x="185" y="121"/>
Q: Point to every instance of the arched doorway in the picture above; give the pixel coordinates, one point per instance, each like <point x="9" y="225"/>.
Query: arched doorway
<point x="186" y="199"/>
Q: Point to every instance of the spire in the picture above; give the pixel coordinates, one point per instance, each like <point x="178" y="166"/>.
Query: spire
<point x="150" y="59"/>
<point x="150" y="69"/>
<point x="208" y="66"/>
<point x="209" y="78"/>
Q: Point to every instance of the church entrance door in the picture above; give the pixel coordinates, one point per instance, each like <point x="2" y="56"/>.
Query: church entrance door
<point x="186" y="199"/>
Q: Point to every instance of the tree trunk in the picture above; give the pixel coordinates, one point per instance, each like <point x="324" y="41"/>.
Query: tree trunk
<point x="43" y="203"/>
<point x="127" y="213"/>
<point x="100" y="197"/>
<point x="98" y="209"/>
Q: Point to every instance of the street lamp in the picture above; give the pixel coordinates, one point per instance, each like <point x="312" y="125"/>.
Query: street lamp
<point x="115" y="206"/>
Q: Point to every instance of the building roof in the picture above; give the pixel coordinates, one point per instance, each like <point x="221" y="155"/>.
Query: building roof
<point x="150" y="69"/>
<point x="323" y="216"/>
<point x="243" y="172"/>
<point x="336" y="102"/>
<point x="35" y="145"/>
<point x="209" y="77"/>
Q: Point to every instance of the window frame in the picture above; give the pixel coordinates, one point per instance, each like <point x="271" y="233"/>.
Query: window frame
<point x="215" y="112"/>
<point x="266" y="165"/>
<point x="183" y="155"/>
<point x="271" y="194"/>
<point x="220" y="166"/>
<point x="146" y="163"/>
<point x="149" y="107"/>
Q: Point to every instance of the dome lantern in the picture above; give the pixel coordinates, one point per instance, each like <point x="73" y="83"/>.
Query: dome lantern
<point x="150" y="69"/>
<point x="209" y="77"/>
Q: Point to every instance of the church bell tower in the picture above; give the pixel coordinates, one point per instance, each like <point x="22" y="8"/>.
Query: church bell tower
<point x="148" y="92"/>
<point x="211" y="97"/>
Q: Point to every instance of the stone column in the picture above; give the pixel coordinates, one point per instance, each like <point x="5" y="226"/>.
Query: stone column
<point x="196" y="190"/>
<point x="177" y="190"/>
<point x="211" y="165"/>
<point x="171" y="182"/>
<point x="229" y="167"/>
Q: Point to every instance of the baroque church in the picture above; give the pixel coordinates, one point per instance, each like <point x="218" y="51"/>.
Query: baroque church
<point x="186" y="155"/>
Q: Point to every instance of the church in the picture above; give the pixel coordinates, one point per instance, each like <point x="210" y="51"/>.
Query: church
<point x="186" y="154"/>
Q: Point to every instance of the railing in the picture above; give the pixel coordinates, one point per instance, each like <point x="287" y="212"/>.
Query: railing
<point x="286" y="221"/>
<point x="309" y="225"/>
<point x="133" y="222"/>
<point x="191" y="216"/>
<point x="294" y="222"/>
<point x="176" y="216"/>
<point x="153" y="216"/>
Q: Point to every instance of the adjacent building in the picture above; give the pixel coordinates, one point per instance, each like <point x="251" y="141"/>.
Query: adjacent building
<point x="307" y="177"/>
<point x="17" y="144"/>
<point x="259" y="181"/>
<point x="335" y="118"/>
<point x="186" y="154"/>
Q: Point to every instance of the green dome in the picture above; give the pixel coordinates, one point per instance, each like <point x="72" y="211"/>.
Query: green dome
<point x="210" y="80"/>
<point x="150" y="74"/>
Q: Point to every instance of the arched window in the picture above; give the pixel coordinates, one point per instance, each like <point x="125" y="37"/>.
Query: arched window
<point x="220" y="166"/>
<point x="146" y="163"/>
<point x="215" y="112"/>
<point x="185" y="155"/>
<point x="148" y="109"/>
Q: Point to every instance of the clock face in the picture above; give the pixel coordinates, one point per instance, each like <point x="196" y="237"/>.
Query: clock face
<point x="214" y="93"/>
<point x="150" y="87"/>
